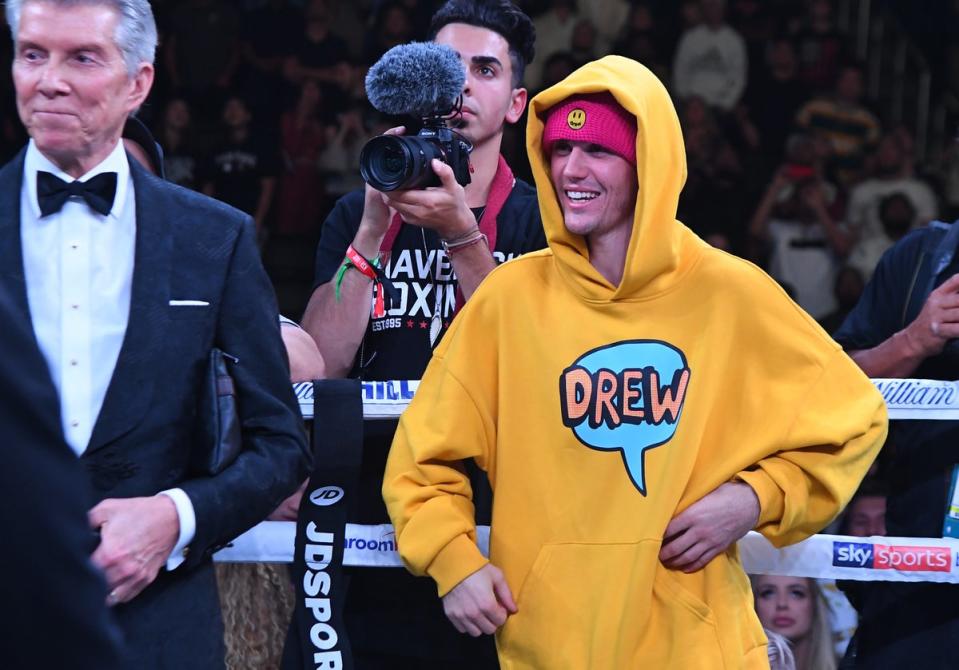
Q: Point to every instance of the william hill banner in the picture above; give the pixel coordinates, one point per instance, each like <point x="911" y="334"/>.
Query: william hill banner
<point x="920" y="398"/>
<point x="905" y="398"/>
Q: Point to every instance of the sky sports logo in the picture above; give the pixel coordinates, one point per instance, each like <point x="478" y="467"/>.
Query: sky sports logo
<point x="882" y="557"/>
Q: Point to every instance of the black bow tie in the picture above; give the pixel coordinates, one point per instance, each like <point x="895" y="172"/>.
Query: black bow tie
<point x="98" y="192"/>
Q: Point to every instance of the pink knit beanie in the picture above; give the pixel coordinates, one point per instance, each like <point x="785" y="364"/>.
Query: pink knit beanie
<point x="596" y="118"/>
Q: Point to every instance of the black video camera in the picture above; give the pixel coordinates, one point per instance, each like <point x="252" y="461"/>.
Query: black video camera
<point x="402" y="162"/>
<point x="423" y="80"/>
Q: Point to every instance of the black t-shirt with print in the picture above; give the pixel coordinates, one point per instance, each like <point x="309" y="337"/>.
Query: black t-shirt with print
<point x="397" y="344"/>
<point x="389" y="611"/>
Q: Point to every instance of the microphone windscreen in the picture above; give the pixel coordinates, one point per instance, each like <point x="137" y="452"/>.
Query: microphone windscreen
<point x="418" y="79"/>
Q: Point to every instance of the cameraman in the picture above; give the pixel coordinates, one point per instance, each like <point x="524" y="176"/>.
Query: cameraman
<point x="901" y="329"/>
<point x="393" y="619"/>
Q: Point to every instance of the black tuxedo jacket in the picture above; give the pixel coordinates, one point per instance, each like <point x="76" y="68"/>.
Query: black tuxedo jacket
<point x="188" y="247"/>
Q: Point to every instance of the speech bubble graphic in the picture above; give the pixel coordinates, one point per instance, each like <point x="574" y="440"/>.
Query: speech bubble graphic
<point x="626" y="396"/>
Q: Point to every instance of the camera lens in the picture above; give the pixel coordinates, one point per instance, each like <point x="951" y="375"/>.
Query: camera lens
<point x="385" y="163"/>
<point x="394" y="160"/>
<point x="392" y="163"/>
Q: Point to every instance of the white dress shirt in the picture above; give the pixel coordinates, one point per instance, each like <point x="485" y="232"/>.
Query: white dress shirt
<point x="78" y="267"/>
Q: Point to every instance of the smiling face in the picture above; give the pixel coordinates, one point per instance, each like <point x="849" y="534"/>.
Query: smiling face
<point x="73" y="89"/>
<point x="489" y="98"/>
<point x="785" y="605"/>
<point x="596" y="188"/>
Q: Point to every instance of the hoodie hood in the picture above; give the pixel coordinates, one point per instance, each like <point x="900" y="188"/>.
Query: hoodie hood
<point x="660" y="247"/>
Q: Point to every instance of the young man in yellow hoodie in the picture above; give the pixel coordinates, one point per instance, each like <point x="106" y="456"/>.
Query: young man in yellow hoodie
<point x="639" y="401"/>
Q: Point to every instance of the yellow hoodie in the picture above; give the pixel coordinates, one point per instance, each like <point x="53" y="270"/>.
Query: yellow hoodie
<point x="601" y="411"/>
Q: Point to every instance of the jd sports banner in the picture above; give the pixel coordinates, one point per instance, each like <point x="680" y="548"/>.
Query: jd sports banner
<point x="317" y="638"/>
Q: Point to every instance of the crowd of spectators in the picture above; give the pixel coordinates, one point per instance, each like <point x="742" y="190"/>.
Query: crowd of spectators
<point x="260" y="103"/>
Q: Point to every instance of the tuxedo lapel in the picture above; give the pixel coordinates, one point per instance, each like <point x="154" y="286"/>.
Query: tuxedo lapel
<point x="11" y="250"/>
<point x="131" y="388"/>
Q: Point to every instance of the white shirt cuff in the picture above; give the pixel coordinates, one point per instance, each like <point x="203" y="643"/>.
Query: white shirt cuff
<point x="184" y="510"/>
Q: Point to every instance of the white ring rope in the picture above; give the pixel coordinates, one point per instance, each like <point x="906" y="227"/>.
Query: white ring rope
<point x="902" y="559"/>
<point x="905" y="398"/>
<point x="899" y="559"/>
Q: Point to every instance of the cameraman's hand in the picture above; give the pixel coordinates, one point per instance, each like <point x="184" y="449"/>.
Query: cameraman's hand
<point x="938" y="322"/>
<point x="376" y="215"/>
<point x="441" y="208"/>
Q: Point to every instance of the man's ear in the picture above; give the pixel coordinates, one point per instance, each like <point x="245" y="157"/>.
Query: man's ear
<point x="517" y="104"/>
<point x="142" y="82"/>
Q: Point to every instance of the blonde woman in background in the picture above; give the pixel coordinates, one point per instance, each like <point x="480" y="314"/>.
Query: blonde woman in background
<point x="794" y="607"/>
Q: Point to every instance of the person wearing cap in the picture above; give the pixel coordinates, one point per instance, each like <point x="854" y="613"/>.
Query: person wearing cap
<point x="638" y="400"/>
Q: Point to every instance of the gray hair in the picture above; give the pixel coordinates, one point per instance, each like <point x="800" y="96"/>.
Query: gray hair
<point x="136" y="35"/>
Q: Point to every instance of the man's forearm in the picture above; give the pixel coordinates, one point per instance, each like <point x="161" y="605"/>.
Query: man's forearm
<point x="894" y="358"/>
<point x="338" y="324"/>
<point x="471" y="265"/>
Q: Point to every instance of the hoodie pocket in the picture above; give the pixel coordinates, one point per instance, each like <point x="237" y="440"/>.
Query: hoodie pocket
<point x="604" y="606"/>
<point x="683" y="631"/>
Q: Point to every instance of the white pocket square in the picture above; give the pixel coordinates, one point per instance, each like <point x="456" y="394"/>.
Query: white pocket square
<point x="189" y="303"/>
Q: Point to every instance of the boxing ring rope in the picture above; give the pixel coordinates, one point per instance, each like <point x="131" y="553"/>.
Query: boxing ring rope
<point x="902" y="559"/>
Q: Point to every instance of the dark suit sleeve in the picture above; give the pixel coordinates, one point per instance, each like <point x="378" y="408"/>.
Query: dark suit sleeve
<point x="275" y="458"/>
<point x="879" y="314"/>
<point x="52" y="599"/>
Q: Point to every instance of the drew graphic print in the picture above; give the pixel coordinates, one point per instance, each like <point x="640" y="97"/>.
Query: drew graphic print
<point x="626" y="396"/>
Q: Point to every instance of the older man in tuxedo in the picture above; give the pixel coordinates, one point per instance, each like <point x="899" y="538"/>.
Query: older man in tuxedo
<point x="128" y="282"/>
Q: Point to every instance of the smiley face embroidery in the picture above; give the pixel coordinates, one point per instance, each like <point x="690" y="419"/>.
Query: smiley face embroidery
<point x="576" y="119"/>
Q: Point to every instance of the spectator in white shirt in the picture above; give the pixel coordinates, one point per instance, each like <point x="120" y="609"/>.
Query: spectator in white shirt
<point x="711" y="60"/>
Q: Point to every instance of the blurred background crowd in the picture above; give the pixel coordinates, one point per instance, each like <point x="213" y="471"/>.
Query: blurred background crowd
<point x="818" y="132"/>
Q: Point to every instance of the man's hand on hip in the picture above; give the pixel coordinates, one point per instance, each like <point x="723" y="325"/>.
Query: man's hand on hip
<point x="136" y="538"/>
<point x="709" y="527"/>
<point x="480" y="603"/>
<point x="441" y="208"/>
